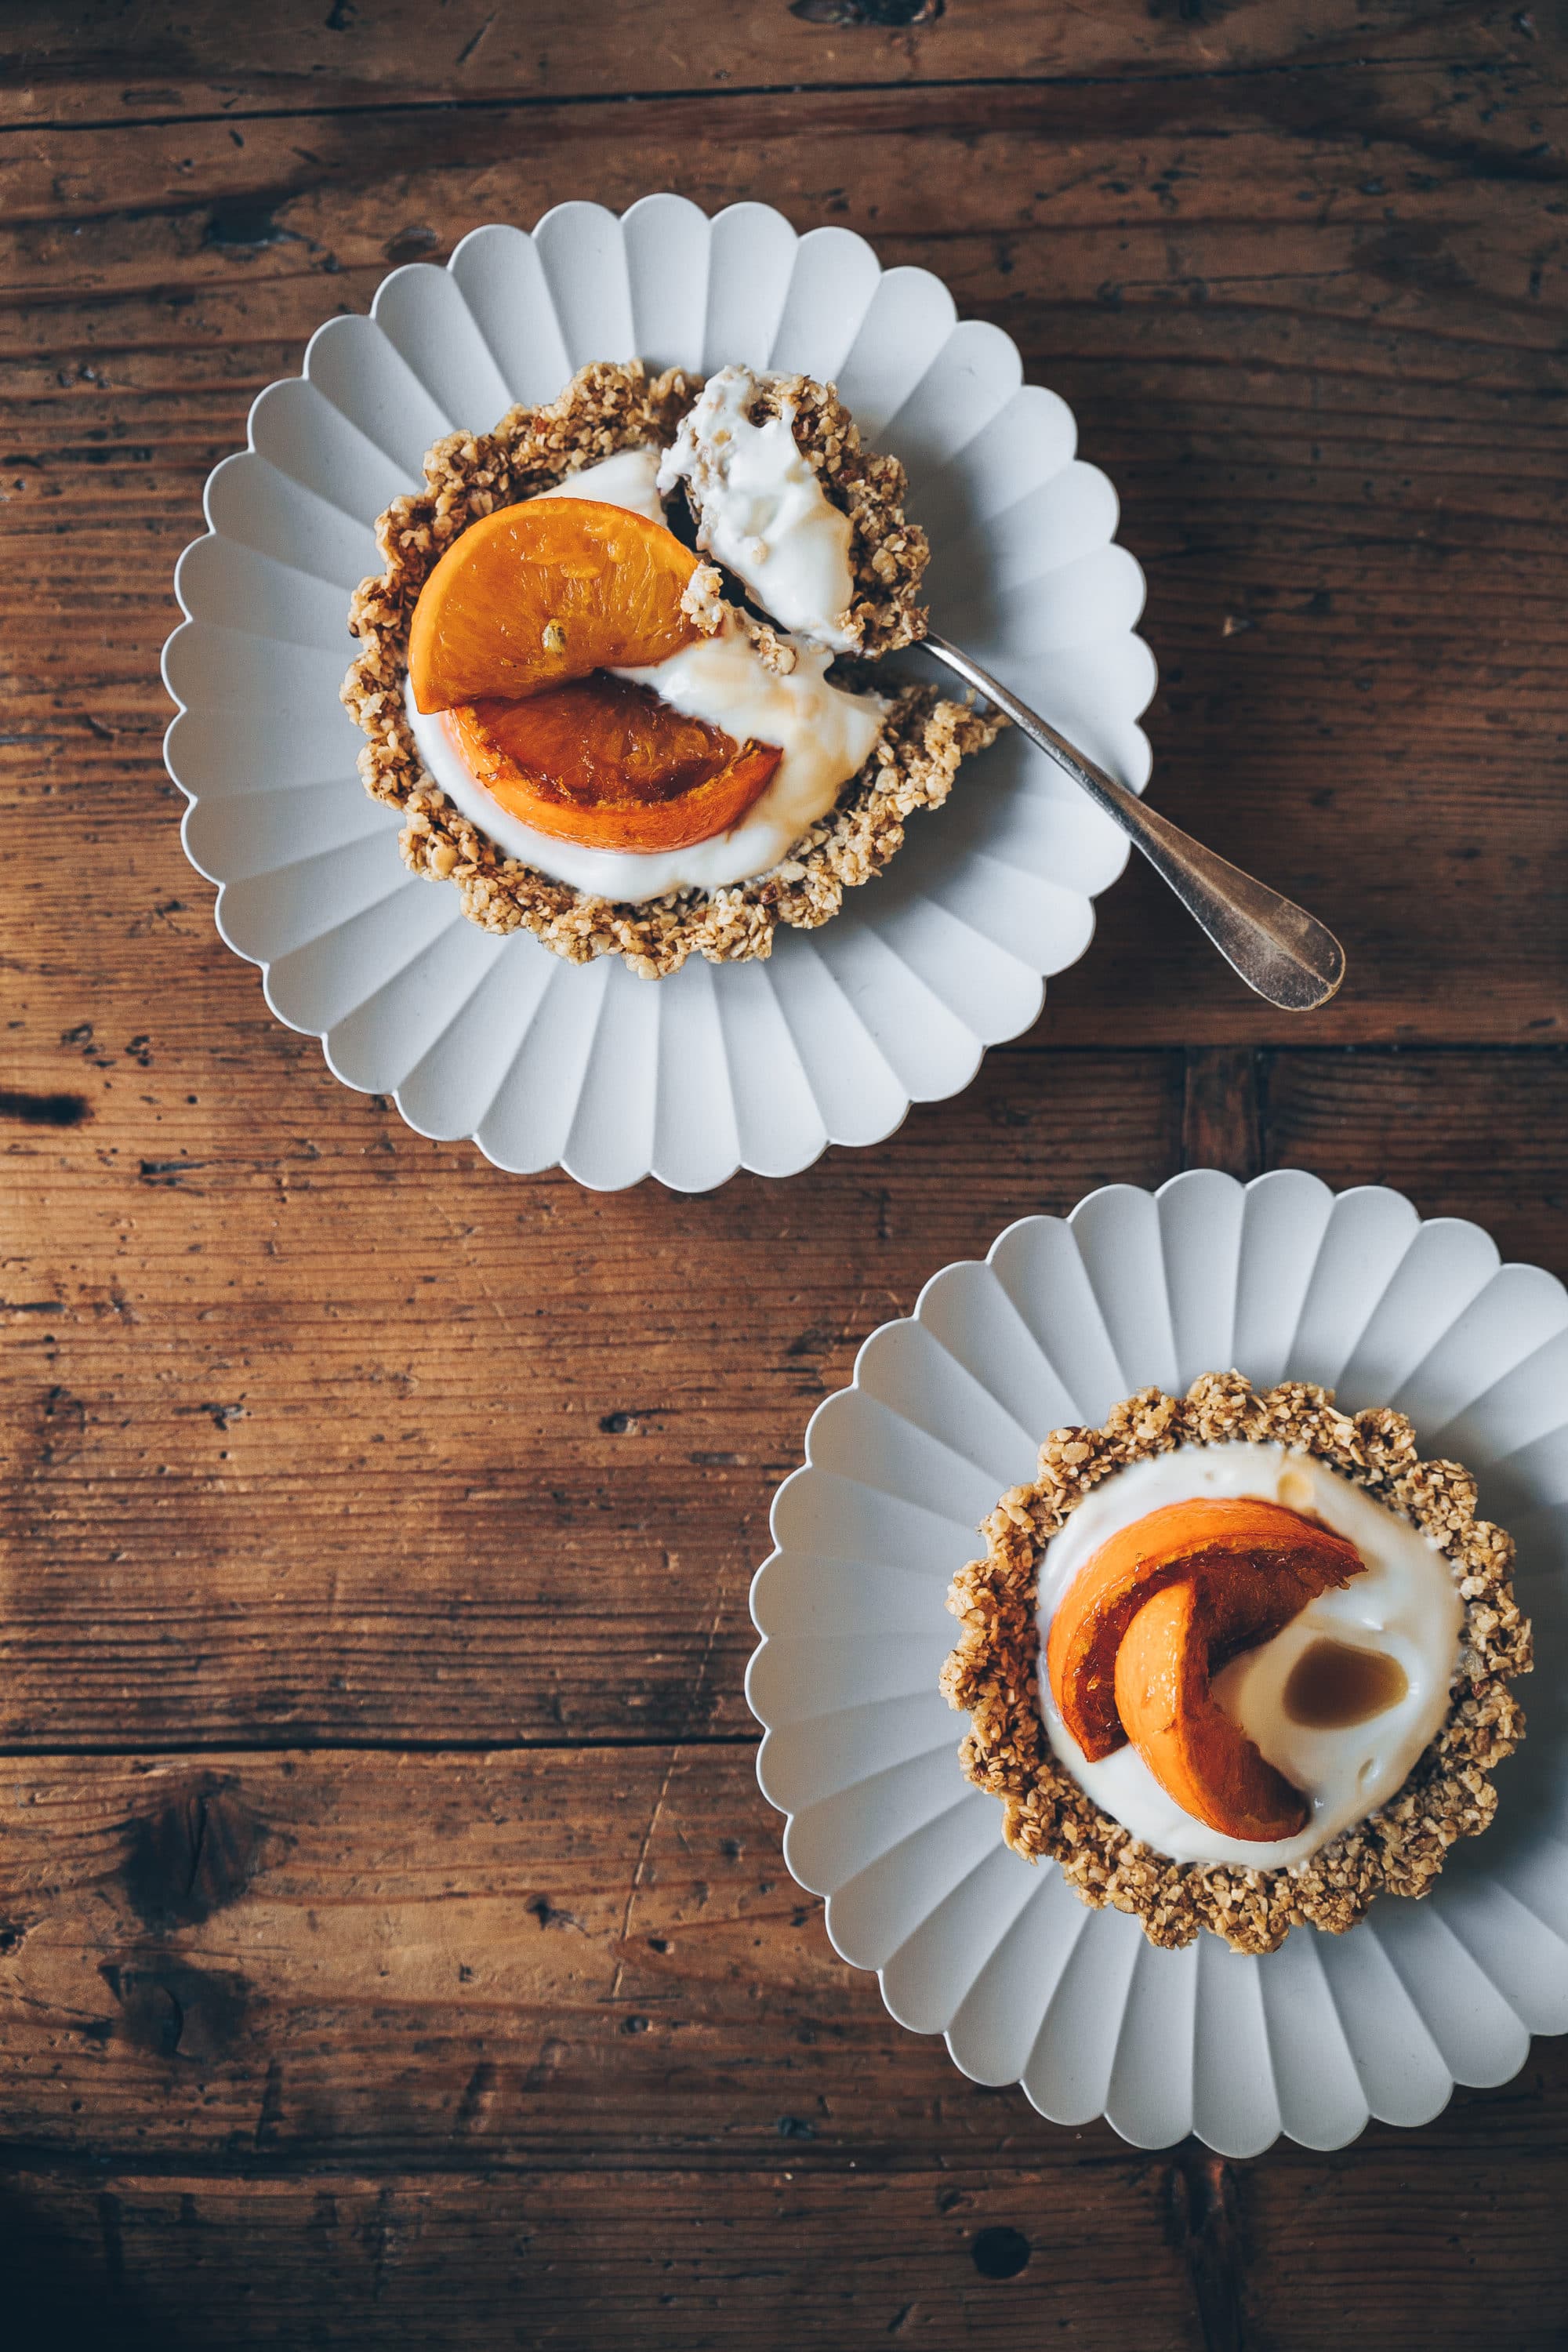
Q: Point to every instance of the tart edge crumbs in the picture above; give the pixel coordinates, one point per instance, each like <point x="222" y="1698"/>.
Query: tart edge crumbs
<point x="993" y="1673"/>
<point x="609" y="406"/>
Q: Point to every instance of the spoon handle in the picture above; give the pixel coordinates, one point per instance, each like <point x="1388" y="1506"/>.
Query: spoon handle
<point x="1281" y="950"/>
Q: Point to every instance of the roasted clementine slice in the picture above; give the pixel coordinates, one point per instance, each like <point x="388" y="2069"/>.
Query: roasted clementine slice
<point x="606" y="764"/>
<point x="1259" y="1564"/>
<point x="1199" y="1755"/>
<point x="535" y="594"/>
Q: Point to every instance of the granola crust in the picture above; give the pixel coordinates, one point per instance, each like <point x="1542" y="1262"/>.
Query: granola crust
<point x="610" y="406"/>
<point x="993" y="1673"/>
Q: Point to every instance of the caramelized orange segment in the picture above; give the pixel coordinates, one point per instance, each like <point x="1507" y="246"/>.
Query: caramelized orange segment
<point x="606" y="764"/>
<point x="537" y="594"/>
<point x="1198" y="1754"/>
<point x="1257" y="1563"/>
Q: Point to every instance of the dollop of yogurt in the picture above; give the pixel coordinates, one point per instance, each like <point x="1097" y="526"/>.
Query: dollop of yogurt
<point x="826" y="736"/>
<point x="761" y="512"/>
<point x="1404" y="1605"/>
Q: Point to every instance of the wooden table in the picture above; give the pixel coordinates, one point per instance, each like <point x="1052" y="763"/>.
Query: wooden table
<point x="395" y="1948"/>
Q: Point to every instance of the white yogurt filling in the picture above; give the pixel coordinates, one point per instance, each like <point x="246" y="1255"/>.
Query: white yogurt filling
<point x="826" y="736"/>
<point x="629" y="479"/>
<point x="762" y="512"/>
<point x="1405" y="1604"/>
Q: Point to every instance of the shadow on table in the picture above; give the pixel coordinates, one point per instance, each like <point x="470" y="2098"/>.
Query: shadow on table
<point x="62" y="2279"/>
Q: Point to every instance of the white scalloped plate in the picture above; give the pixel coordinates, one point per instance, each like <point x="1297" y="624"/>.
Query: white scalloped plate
<point x="756" y="1065"/>
<point x="1282" y="1280"/>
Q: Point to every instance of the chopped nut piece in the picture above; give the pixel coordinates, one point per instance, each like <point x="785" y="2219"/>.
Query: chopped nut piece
<point x="703" y="602"/>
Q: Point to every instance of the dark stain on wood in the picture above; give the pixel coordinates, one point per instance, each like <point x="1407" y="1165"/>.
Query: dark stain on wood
<point x="893" y="15"/>
<point x="478" y="2092"/>
<point x="999" y="2253"/>
<point x="271" y="2109"/>
<point x="191" y="1857"/>
<point x="1221" y="1122"/>
<point x="1205" y="2230"/>
<point x="44" y="1109"/>
<point x="246" y="226"/>
<point x="174" y="2009"/>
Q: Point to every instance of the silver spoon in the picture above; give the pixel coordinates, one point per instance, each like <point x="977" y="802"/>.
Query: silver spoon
<point x="1280" y="950"/>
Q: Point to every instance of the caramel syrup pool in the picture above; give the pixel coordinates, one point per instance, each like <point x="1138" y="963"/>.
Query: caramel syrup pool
<point x="1332" y="1686"/>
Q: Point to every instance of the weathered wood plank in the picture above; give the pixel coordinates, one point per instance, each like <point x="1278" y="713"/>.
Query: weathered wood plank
<point x="445" y="1960"/>
<point x="1375" y="1119"/>
<point x="317" y="1430"/>
<point x="1466" y="121"/>
<point x="1403" y="2254"/>
<point x="297" y="56"/>
<point x="425" y="1450"/>
<point x="1326" y="2252"/>
<point x="654" y="2259"/>
<point x="453" y="1962"/>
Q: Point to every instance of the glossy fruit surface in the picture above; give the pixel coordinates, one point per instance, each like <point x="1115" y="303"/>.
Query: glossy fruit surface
<point x="1257" y="1563"/>
<point x="1200" y="1756"/>
<point x="606" y="764"/>
<point x="537" y="594"/>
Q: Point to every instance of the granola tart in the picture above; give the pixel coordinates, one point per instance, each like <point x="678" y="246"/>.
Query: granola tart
<point x="609" y="408"/>
<point x="995" y="1672"/>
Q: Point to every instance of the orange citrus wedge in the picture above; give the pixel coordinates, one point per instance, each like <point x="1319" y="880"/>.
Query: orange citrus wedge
<point x="1199" y="1755"/>
<point x="536" y="594"/>
<point x="1258" y="1564"/>
<point x="606" y="764"/>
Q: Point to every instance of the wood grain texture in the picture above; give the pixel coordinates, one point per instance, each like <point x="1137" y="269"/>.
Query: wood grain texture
<point x="543" y="1961"/>
<point x="350" y="1440"/>
<point x="394" y="1946"/>
<point x="359" y="1440"/>
<point x="487" y="2258"/>
<point x="481" y="2260"/>
<point x="145" y="63"/>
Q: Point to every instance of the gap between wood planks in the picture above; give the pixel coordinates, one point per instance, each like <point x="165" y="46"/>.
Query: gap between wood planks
<point x="1196" y="2222"/>
<point x="528" y="101"/>
<point x="120" y="1751"/>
